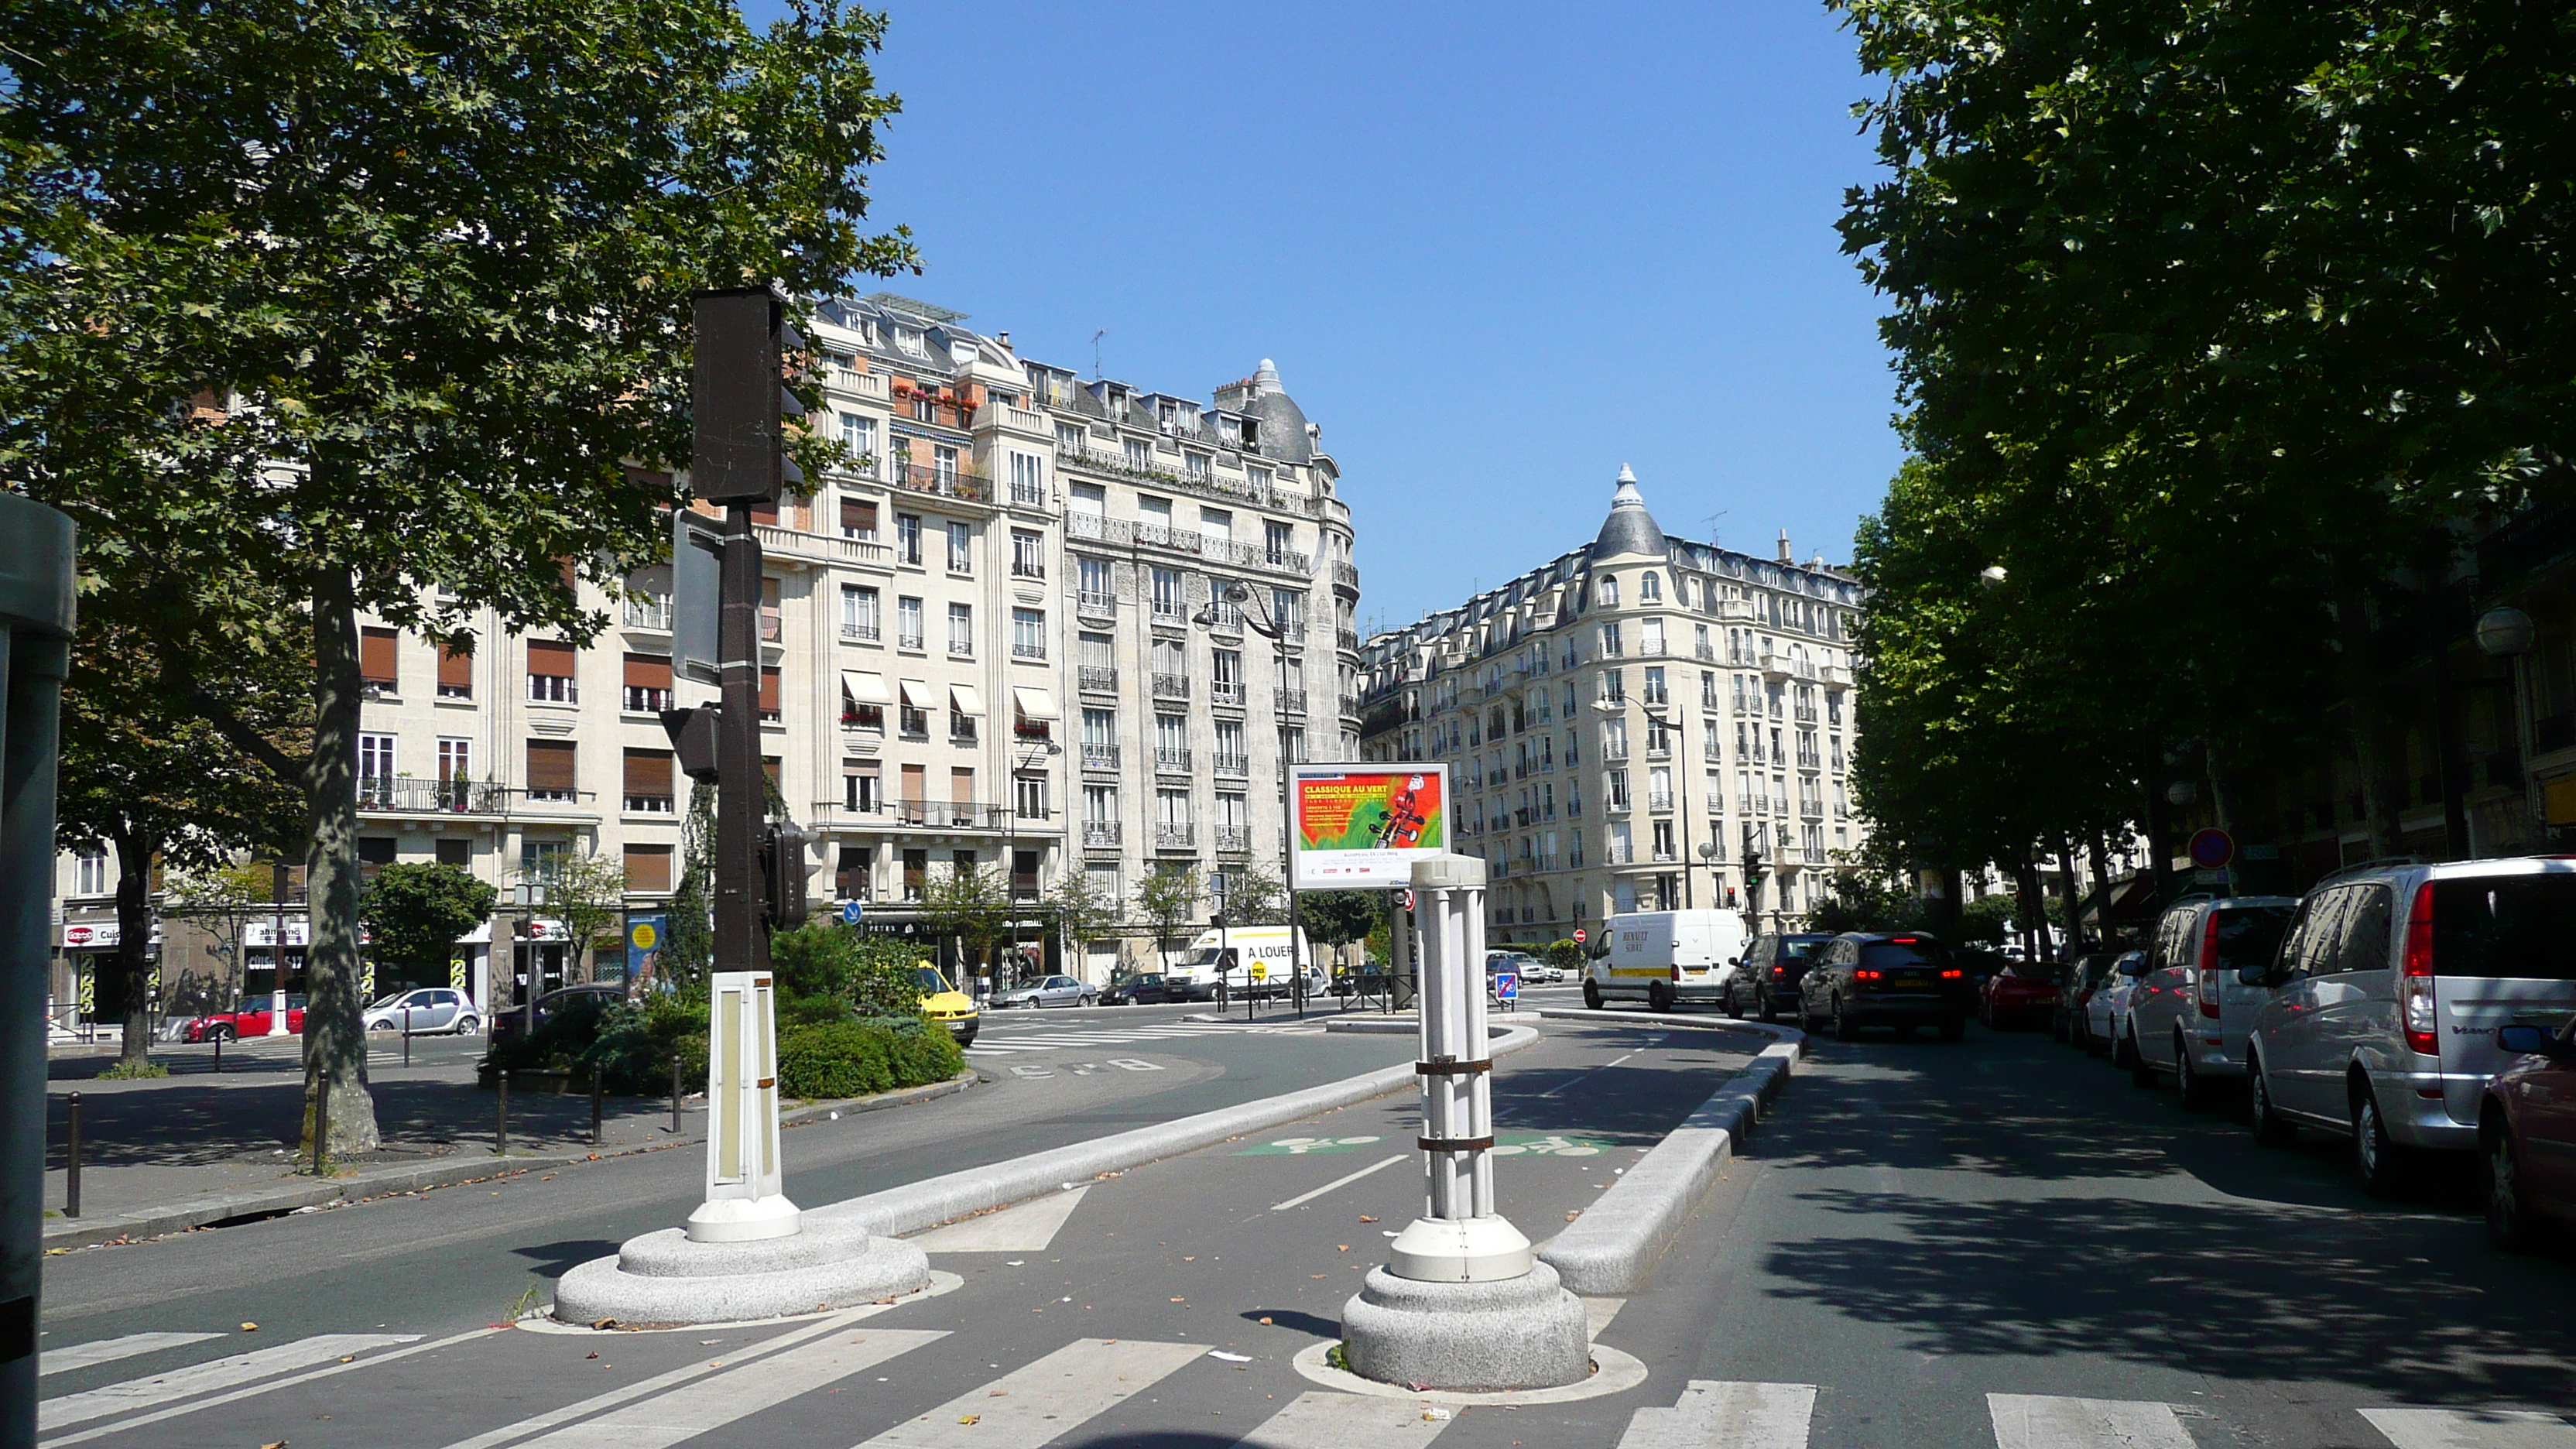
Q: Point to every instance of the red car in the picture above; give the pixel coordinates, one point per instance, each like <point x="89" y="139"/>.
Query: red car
<point x="2527" y="1131"/>
<point x="251" y="1020"/>
<point x="2023" y="993"/>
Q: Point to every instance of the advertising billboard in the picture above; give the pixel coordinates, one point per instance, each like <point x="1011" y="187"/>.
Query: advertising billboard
<point x="1361" y="826"/>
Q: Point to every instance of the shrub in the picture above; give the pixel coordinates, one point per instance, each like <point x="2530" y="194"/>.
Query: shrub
<point x="138" y="1069"/>
<point x="824" y="1061"/>
<point x="1565" y="955"/>
<point x="632" y="1048"/>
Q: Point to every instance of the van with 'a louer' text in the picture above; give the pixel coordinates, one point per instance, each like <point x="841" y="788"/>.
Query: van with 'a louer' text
<point x="1664" y="957"/>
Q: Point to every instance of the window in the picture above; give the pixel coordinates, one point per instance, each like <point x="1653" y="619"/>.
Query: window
<point x="907" y="623"/>
<point x="1171" y="666"/>
<point x="1099" y="804"/>
<point x="859" y="439"/>
<point x="1197" y="465"/>
<point x="377" y="658"/>
<point x="1096" y="582"/>
<point x="1029" y="795"/>
<point x="961" y="548"/>
<point x="916" y="873"/>
<point x="455" y="767"/>
<point x="961" y="629"/>
<point x="1028" y="634"/>
<point x="1172" y="808"/>
<point x="1172" y="741"/>
<point x="1605" y="591"/>
<point x="551" y="773"/>
<point x="861" y="787"/>
<point x="1140" y="455"/>
<point x="1089" y="498"/>
<point x="455" y="674"/>
<point x="648" y="782"/>
<point x="911" y="715"/>
<point x="1292" y="745"/>
<point x="943" y="465"/>
<point x="1028" y="480"/>
<point x="1028" y="555"/>
<point x="961" y="724"/>
<point x="859" y="613"/>
<point x="456" y="852"/>
<point x="1650" y="588"/>
<point x="1231" y="755"/>
<point x="1068" y="436"/>
<point x="854" y="877"/>
<point x="375" y="768"/>
<point x="1281" y="540"/>
<point x="1659" y="740"/>
<point x="769" y="691"/>
<point x="1216" y="530"/>
<point x="907" y="537"/>
<point x="1663" y="830"/>
<point x="1650" y="635"/>
<point x="1167" y="594"/>
<point x="550" y="671"/>
<point x="1226" y="677"/>
<point x="89" y="873"/>
<point x="858" y="519"/>
<point x="1287" y="609"/>
<point x="1611" y="647"/>
<point x="1292" y="673"/>
<point x="648" y="683"/>
<point x="1614" y="687"/>
<point x="1655" y="696"/>
<point x="1615" y="790"/>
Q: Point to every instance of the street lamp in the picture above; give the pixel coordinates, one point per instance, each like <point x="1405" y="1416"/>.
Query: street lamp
<point x="1238" y="594"/>
<point x="1034" y="751"/>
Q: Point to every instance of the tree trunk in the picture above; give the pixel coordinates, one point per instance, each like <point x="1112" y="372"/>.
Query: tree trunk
<point x="2070" y="893"/>
<point x="2102" y="891"/>
<point x="2378" y="751"/>
<point x="335" y="1041"/>
<point x="134" y="941"/>
<point x="2030" y="903"/>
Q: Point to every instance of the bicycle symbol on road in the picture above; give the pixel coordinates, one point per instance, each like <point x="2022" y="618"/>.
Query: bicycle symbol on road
<point x="1549" y="1144"/>
<point x="1307" y="1146"/>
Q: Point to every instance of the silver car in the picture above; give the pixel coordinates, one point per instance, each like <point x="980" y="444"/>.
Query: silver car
<point x="1049" y="991"/>
<point x="2383" y="1003"/>
<point x="431" y="1008"/>
<point x="2106" y="1011"/>
<point x="2191" y="1012"/>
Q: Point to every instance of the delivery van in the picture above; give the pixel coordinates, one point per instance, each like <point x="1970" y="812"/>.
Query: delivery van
<point x="1243" y="961"/>
<point x="1664" y="957"/>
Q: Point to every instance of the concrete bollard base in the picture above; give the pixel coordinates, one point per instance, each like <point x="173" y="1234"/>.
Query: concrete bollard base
<point x="664" y="1278"/>
<point x="1511" y="1333"/>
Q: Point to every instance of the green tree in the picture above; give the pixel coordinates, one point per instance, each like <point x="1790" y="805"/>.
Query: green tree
<point x="1337" y="918"/>
<point x="588" y="894"/>
<point x="1083" y="912"/>
<point x="1255" y="896"/>
<point x="394" y="298"/>
<point x="689" y="946"/>
<point x="414" y="913"/>
<point x="972" y="904"/>
<point x="1169" y="897"/>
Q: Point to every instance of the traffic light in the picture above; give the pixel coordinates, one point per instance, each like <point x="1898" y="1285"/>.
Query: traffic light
<point x="782" y="870"/>
<point x="738" y="396"/>
<point x="1752" y="863"/>
<point x="693" y="735"/>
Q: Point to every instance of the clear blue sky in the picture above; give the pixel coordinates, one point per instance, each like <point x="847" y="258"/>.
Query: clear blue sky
<point x="1496" y="250"/>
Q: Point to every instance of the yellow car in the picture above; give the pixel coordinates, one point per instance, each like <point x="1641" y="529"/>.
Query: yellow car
<point x="947" y="1005"/>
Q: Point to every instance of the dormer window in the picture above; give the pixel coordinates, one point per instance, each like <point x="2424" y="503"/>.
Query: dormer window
<point x="1605" y="591"/>
<point x="908" y="341"/>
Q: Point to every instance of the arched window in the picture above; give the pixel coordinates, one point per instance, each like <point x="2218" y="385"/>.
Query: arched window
<point x="1651" y="587"/>
<point x="1605" y="590"/>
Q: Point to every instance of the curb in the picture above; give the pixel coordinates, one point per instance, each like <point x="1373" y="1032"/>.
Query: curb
<point x="917" y="1205"/>
<point x="1611" y="1250"/>
<point x="152" y="1222"/>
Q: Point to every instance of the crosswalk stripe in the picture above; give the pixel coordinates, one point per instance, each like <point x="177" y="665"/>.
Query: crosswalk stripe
<point x="602" y="1402"/>
<point x="1032" y="1406"/>
<point x="109" y="1350"/>
<point x="2472" y="1428"/>
<point x="1323" y="1420"/>
<point x="2039" y="1421"/>
<point x="203" y="1378"/>
<point x="1713" y="1414"/>
<point x="710" y="1404"/>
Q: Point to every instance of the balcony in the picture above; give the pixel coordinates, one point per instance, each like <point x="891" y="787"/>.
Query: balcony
<point x="402" y="795"/>
<point x="1289" y="701"/>
<point x="1227" y="692"/>
<point x="1003" y="415"/>
<point x="1171" y="759"/>
<point x="645" y="699"/>
<point x="1661" y="800"/>
<point x="1211" y="485"/>
<point x="1028" y="649"/>
<point x="1618" y="853"/>
<point x="653" y="611"/>
<point x="1616" y="805"/>
<point x="1238" y="765"/>
<point x="826" y="548"/>
<point x="954" y="815"/>
<point x="1100" y="757"/>
<point x="1171" y="686"/>
<point x="1093" y="604"/>
<point x="1351" y="706"/>
<point x="1100" y="835"/>
<point x="962" y="484"/>
<point x="1347" y="640"/>
<point x="1097" y="678"/>
<point x="1233" y="840"/>
<point x="1175" y="837"/>
<point x="1347" y="576"/>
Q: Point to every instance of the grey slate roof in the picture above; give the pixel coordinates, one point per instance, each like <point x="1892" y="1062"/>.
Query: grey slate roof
<point x="1629" y="528"/>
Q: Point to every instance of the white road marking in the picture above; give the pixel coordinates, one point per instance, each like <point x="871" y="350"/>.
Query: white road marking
<point x="1324" y="1420"/>
<point x="710" y="1404"/>
<point x="1712" y="1414"/>
<point x="109" y="1350"/>
<point x="2472" y="1429"/>
<point x="1307" y="1197"/>
<point x="2039" y="1421"/>
<point x="1050" y="1398"/>
<point x="597" y="1403"/>
<point x="1024" y="1228"/>
<point x="197" y="1379"/>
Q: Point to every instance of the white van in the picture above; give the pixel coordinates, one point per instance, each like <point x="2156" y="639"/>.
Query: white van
<point x="1661" y="957"/>
<point x="1241" y="961"/>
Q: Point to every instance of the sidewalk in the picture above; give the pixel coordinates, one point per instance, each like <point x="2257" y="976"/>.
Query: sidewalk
<point x="193" y="1149"/>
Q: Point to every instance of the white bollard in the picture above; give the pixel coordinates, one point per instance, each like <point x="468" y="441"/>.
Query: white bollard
<point x="744" y="1202"/>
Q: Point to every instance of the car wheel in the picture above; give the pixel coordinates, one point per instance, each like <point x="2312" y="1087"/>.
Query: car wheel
<point x="380" y="1026"/>
<point x="1592" y="995"/>
<point x="2508" y="1221"/>
<point x="965" y="1038"/>
<point x="1765" y="1007"/>
<point x="2194" y="1087"/>
<point x="2270" y="1127"/>
<point x="467" y="1026"/>
<point x="1845" y="1029"/>
<point x="1659" y="997"/>
<point x="2140" y="1074"/>
<point x="1953" y="1028"/>
<point x="2379" y="1163"/>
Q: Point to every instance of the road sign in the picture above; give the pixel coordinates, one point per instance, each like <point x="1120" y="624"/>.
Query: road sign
<point x="851" y="911"/>
<point x="1260" y="972"/>
<point x="1578" y="935"/>
<point x="2212" y="849"/>
<point x="1507" y="987"/>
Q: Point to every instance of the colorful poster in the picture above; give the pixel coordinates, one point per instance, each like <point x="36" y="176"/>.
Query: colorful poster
<point x="1363" y="826"/>
<point x="644" y="934"/>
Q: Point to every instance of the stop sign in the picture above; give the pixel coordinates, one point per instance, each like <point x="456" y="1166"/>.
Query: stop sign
<point x="1578" y="935"/>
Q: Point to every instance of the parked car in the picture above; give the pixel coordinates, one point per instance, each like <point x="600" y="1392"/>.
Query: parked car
<point x="946" y="1005"/>
<point x="2194" y="1006"/>
<point x="1902" y="981"/>
<point x="2023" y="993"/>
<point x="428" y="1009"/>
<point x="1766" y="982"/>
<point x="1047" y="991"/>
<point x="251" y="1019"/>
<point x="2075" y="997"/>
<point x="1373" y="978"/>
<point x="2106" y="1011"/>
<point x="1143" y="989"/>
<point x="2386" y="998"/>
<point x="2527" y="1133"/>
<point x="511" y="1023"/>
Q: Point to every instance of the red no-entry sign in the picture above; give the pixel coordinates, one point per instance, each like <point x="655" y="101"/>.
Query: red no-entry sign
<point x="1578" y="935"/>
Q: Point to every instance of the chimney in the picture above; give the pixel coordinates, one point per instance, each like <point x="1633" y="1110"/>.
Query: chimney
<point x="1004" y="337"/>
<point x="1787" y="554"/>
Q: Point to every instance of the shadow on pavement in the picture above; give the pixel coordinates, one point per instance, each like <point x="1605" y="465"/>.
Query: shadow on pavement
<point x="553" y="1260"/>
<point x="1290" y="1318"/>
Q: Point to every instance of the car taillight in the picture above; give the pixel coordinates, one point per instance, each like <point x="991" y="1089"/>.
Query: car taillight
<point x="2415" y="991"/>
<point x="1953" y="974"/>
<point x="1775" y="973"/>
<point x="2209" y="968"/>
<point x="1865" y="974"/>
<point x="1677" y="973"/>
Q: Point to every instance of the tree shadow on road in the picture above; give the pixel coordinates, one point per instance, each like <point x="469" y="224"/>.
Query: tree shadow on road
<point x="553" y="1260"/>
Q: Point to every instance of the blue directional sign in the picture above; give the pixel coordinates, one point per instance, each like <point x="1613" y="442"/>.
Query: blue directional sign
<point x="851" y="911"/>
<point x="1507" y="987"/>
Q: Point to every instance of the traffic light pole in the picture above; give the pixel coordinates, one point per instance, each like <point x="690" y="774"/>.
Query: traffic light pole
<point x="741" y="803"/>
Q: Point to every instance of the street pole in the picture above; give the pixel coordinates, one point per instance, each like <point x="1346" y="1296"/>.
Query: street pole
<point x="277" y="948"/>
<point x="739" y="798"/>
<point x="1287" y="843"/>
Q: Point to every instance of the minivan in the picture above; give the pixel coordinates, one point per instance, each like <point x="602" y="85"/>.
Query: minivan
<point x="2384" y="999"/>
<point x="2190" y="1013"/>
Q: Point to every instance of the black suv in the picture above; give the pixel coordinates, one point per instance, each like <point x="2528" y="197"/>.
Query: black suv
<point x="1903" y="980"/>
<point x="1766" y="983"/>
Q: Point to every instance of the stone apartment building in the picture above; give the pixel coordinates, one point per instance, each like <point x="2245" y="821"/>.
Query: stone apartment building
<point x="979" y="648"/>
<point x="1611" y="715"/>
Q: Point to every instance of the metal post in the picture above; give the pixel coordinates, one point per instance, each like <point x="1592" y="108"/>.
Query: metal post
<point x="740" y="802"/>
<point x="501" y="1120"/>
<point x="219" y="1052"/>
<point x="1288" y="855"/>
<point x="406" y="1033"/>
<point x="277" y="948"/>
<point x="675" y="1094"/>
<point x="71" y="1174"/>
<point x="594" y="1108"/>
<point x="321" y="1131"/>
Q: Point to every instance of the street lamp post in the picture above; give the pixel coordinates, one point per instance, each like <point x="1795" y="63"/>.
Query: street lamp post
<point x="1238" y="594"/>
<point x="1037" y="750"/>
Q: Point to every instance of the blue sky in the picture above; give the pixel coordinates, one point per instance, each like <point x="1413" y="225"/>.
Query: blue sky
<point x="1496" y="250"/>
